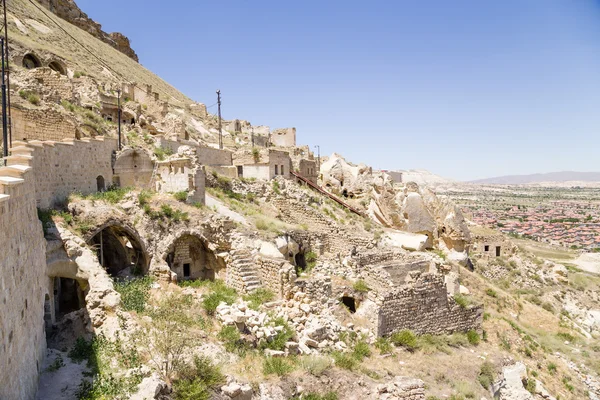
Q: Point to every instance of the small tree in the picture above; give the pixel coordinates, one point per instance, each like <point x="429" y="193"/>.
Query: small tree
<point x="164" y="340"/>
<point x="255" y="154"/>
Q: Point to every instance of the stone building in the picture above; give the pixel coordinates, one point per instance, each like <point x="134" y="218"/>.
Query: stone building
<point x="285" y="137"/>
<point x="490" y="246"/>
<point x="264" y="164"/>
<point x="190" y="258"/>
<point x="133" y="168"/>
<point x="181" y="175"/>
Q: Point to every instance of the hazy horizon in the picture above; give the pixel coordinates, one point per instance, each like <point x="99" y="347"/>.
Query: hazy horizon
<point x="466" y="90"/>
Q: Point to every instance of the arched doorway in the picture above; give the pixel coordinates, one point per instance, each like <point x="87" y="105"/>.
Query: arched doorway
<point x="120" y="251"/>
<point x="30" y="61"/>
<point x="100" y="183"/>
<point x="191" y="259"/>
<point x="350" y="303"/>
<point x="58" y="67"/>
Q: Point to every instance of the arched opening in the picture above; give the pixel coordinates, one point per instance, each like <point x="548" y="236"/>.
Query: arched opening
<point x="69" y="296"/>
<point x="58" y="67"/>
<point x="30" y="61"/>
<point x="345" y="193"/>
<point x="100" y="183"/>
<point x="350" y="303"/>
<point x="119" y="251"/>
<point x="300" y="261"/>
<point x="47" y="314"/>
<point x="191" y="259"/>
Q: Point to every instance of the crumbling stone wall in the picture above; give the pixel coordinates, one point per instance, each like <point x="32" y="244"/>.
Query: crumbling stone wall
<point x="61" y="168"/>
<point x="178" y="175"/>
<point x="205" y="155"/>
<point x="276" y="275"/>
<point x="424" y="307"/>
<point x="22" y="289"/>
<point x="41" y="124"/>
<point x="133" y="167"/>
<point x="285" y="137"/>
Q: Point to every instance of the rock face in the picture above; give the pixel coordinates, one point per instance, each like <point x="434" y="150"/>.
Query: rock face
<point x="511" y="387"/>
<point x="70" y="12"/>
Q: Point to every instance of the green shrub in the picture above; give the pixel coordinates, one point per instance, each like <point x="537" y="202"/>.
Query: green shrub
<point x="566" y="336"/>
<point x="276" y="187"/>
<point x="195" y="381"/>
<point x="361" y="350"/>
<point x="143" y="197"/>
<point x="360" y="286"/>
<point x="255" y="154"/>
<point x="231" y="338"/>
<point x="316" y="396"/>
<point x="276" y="365"/>
<point x="487" y="373"/>
<point x="112" y="195"/>
<point x="79" y="74"/>
<point x="383" y="345"/>
<point x="68" y="105"/>
<point x="258" y="297"/>
<point x="344" y="360"/>
<point x="311" y="259"/>
<point x="219" y="293"/>
<point x="134" y="293"/>
<point x="181" y="196"/>
<point x="473" y="337"/>
<point x="461" y="300"/>
<point x="161" y="153"/>
<point x="315" y="365"/>
<point x="491" y="292"/>
<point x="552" y="368"/>
<point x="530" y="385"/>
<point x="404" y="338"/>
<point x="33" y="99"/>
<point x="279" y="340"/>
<point x="548" y="307"/>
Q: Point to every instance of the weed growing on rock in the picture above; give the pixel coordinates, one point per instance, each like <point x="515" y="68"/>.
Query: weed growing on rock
<point x="360" y="286"/>
<point x="134" y="293"/>
<point x="277" y="366"/>
<point x="258" y="297"/>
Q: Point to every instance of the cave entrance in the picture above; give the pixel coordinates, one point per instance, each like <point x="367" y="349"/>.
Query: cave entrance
<point x="58" y="67"/>
<point x="191" y="259"/>
<point x="100" y="183"/>
<point x="30" y="61"/>
<point x="350" y="303"/>
<point x="300" y="260"/>
<point x="119" y="251"/>
<point x="69" y="296"/>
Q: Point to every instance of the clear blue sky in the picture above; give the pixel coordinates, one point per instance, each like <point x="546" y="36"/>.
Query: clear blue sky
<point x="465" y="88"/>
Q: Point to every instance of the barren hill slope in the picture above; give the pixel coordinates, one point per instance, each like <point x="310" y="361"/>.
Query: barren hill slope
<point x="33" y="27"/>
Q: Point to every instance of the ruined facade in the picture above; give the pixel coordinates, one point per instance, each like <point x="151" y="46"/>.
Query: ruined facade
<point x="179" y="175"/>
<point x="285" y="137"/>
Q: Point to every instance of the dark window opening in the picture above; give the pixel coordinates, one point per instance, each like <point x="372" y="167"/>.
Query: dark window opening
<point x="56" y="66"/>
<point x="497" y="251"/>
<point x="70" y="296"/>
<point x="240" y="171"/>
<point x="100" y="183"/>
<point x="350" y="303"/>
<point x="345" y="193"/>
<point x="282" y="170"/>
<point x="300" y="261"/>
<point x="186" y="270"/>
<point x="30" y="61"/>
<point x="486" y="248"/>
<point x="276" y="170"/>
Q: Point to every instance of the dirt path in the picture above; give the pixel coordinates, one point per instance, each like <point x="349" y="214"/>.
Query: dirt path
<point x="59" y="380"/>
<point x="589" y="262"/>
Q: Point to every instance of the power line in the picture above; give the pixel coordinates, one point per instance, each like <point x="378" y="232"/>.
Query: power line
<point x="92" y="53"/>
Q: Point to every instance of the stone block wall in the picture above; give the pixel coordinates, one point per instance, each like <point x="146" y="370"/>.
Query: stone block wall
<point x="285" y="137"/>
<point x="38" y="124"/>
<point x="61" y="168"/>
<point x="206" y="155"/>
<point x="133" y="167"/>
<point x="276" y="275"/>
<point x="22" y="288"/>
<point x="424" y="307"/>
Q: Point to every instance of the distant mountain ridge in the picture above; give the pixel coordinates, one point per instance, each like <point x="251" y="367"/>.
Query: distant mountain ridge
<point x="563" y="176"/>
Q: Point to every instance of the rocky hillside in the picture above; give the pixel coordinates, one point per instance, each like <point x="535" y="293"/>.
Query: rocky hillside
<point x="69" y="11"/>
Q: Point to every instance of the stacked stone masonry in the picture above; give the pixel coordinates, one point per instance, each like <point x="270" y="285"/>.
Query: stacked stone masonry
<point x="62" y="168"/>
<point x="22" y="285"/>
<point x="424" y="307"/>
<point x="38" y="124"/>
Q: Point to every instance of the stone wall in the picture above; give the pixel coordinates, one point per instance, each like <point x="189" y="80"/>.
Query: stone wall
<point x="206" y="155"/>
<point x="179" y="175"/>
<point x="276" y="275"/>
<point x="285" y="137"/>
<point x="424" y="307"/>
<point x="22" y="285"/>
<point x="38" y="124"/>
<point x="61" y="168"/>
<point x="133" y="167"/>
<point x="308" y="169"/>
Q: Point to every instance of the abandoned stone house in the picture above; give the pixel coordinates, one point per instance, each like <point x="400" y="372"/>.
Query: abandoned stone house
<point x="178" y="175"/>
<point x="284" y="137"/>
<point x="263" y="164"/>
<point x="490" y="246"/>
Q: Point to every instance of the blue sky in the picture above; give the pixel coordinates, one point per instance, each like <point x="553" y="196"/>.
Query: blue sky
<point x="466" y="88"/>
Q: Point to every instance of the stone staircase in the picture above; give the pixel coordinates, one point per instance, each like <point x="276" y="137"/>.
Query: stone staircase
<point x="245" y="268"/>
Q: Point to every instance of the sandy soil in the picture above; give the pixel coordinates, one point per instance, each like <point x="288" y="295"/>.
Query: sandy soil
<point x="61" y="383"/>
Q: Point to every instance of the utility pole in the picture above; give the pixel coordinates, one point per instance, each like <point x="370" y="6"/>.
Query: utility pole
<point x="4" y="121"/>
<point x="119" y="115"/>
<point x="318" y="160"/>
<point x="7" y="72"/>
<point x="220" y="130"/>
